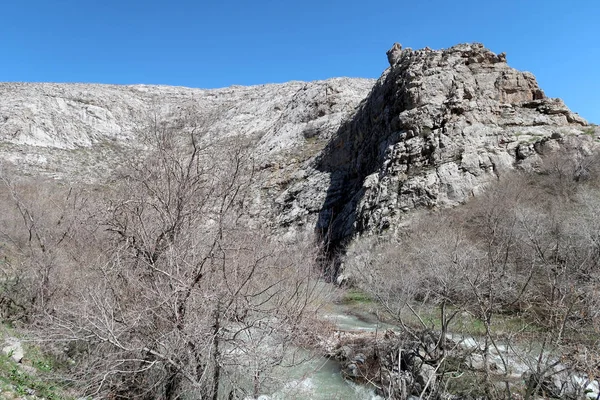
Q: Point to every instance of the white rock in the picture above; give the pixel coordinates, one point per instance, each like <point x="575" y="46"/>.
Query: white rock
<point x="13" y="349"/>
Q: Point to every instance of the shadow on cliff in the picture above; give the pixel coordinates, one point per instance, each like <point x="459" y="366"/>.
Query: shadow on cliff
<point x="462" y="93"/>
<point x="356" y="151"/>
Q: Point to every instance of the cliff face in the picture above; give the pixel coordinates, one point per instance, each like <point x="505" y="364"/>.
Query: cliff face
<point x="436" y="128"/>
<point x="344" y="156"/>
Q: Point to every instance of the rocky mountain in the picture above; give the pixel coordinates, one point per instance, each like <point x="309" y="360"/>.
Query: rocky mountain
<point x="55" y="128"/>
<point x="343" y="156"/>
<point x="435" y="129"/>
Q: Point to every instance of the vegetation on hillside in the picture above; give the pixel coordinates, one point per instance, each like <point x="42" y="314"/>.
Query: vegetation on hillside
<point x="518" y="265"/>
<point x="161" y="285"/>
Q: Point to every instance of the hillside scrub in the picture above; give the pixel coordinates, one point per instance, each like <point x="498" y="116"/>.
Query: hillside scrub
<point x="186" y="266"/>
<point x="160" y="285"/>
<point x="527" y="248"/>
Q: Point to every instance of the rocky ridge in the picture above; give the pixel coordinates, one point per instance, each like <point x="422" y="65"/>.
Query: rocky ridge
<point x="55" y="129"/>
<point x="347" y="156"/>
<point x="344" y="157"/>
<point x="438" y="127"/>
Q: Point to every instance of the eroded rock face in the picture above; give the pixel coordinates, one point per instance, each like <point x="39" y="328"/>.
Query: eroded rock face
<point x="394" y="54"/>
<point x="73" y="130"/>
<point x="437" y="127"/>
<point x="343" y="156"/>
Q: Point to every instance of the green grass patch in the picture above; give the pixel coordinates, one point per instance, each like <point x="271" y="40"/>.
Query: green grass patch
<point x="589" y="131"/>
<point x="41" y="361"/>
<point x="356" y="296"/>
<point x="33" y="377"/>
<point x="13" y="378"/>
<point x="467" y="323"/>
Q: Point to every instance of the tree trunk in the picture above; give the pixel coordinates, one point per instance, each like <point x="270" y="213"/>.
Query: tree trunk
<point x="215" y="355"/>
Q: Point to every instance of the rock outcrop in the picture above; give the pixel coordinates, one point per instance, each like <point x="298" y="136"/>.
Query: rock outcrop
<point x="344" y="156"/>
<point x="13" y="349"/>
<point x="401" y="367"/>
<point x="437" y="127"/>
<point x="398" y="367"/>
<point x="75" y="131"/>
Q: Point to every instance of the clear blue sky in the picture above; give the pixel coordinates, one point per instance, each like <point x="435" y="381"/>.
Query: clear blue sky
<point x="220" y="43"/>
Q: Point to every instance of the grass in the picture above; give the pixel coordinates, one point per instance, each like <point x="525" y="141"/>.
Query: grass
<point x="312" y="146"/>
<point x="20" y="382"/>
<point x="359" y="302"/>
<point x="591" y="131"/>
<point x="31" y="379"/>
<point x="463" y="323"/>
<point x="356" y="297"/>
<point x="471" y="325"/>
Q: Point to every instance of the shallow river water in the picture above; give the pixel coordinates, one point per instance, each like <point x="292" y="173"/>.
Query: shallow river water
<point x="321" y="379"/>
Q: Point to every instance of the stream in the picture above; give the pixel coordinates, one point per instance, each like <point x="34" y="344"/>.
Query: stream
<point x="321" y="378"/>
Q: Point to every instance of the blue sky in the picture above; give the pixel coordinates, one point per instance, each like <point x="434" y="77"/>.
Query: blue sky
<point x="220" y="43"/>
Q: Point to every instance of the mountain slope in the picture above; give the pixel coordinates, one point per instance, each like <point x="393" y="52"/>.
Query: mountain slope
<point x="347" y="156"/>
<point x="44" y="125"/>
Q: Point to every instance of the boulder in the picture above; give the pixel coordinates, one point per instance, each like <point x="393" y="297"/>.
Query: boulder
<point x="13" y="349"/>
<point x="393" y="54"/>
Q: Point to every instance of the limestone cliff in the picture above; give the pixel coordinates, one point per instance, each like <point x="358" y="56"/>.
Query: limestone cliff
<point x="75" y="131"/>
<point x="436" y="128"/>
<point x="342" y="156"/>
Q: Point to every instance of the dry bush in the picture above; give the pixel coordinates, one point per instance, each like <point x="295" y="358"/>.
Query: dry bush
<point x="190" y="297"/>
<point x="162" y="284"/>
<point x="45" y="225"/>
<point x="528" y="247"/>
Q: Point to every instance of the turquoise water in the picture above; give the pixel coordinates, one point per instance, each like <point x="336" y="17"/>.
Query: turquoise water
<point x="349" y="322"/>
<point x="321" y="379"/>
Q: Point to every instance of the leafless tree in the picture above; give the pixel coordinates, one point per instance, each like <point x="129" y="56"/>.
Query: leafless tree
<point x="38" y="227"/>
<point x="185" y="294"/>
<point x="526" y="249"/>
